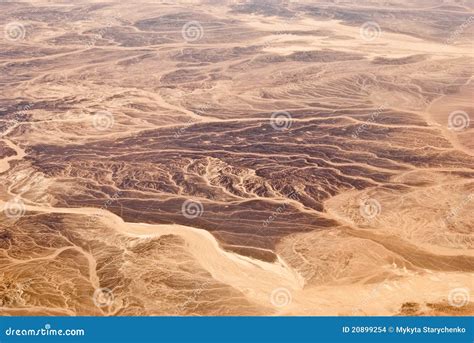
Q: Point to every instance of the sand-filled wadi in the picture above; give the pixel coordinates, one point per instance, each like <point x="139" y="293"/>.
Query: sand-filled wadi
<point x="293" y="158"/>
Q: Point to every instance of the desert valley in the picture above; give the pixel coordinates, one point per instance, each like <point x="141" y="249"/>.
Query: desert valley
<point x="237" y="158"/>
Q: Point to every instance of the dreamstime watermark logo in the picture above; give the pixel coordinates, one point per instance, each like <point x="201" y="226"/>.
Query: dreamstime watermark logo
<point x="370" y="31"/>
<point x="458" y="297"/>
<point x="280" y="209"/>
<point x="14" y="31"/>
<point x="281" y="120"/>
<point x="459" y="30"/>
<point x="280" y="297"/>
<point x="14" y="208"/>
<point x="192" y="209"/>
<point x="92" y="220"/>
<point x="103" y="297"/>
<point x="178" y="133"/>
<point x="199" y="111"/>
<point x="18" y="117"/>
<point x="369" y="208"/>
<point x="22" y="110"/>
<point x="102" y="31"/>
<point x="103" y="120"/>
<point x="453" y="212"/>
<point x="193" y="298"/>
<point x="373" y="116"/>
<point x="47" y="330"/>
<point x="458" y="121"/>
<point x="377" y="291"/>
<point x="192" y="31"/>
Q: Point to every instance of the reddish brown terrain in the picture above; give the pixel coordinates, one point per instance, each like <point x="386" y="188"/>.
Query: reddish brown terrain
<point x="237" y="158"/>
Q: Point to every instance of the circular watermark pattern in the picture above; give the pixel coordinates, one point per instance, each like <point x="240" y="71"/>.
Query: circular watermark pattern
<point x="281" y="120"/>
<point x="369" y="208"/>
<point x="14" y="31"/>
<point x="103" y="120"/>
<point x="458" y="121"/>
<point x="280" y="297"/>
<point x="192" y="209"/>
<point x="458" y="297"/>
<point x="192" y="31"/>
<point x="103" y="297"/>
<point x="370" y="31"/>
<point x="14" y="208"/>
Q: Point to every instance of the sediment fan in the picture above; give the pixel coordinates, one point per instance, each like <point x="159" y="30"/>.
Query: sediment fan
<point x="236" y="159"/>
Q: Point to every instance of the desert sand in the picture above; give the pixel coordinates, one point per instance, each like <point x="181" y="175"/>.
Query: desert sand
<point x="237" y="158"/>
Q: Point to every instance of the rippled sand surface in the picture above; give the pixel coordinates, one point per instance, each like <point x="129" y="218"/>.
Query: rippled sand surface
<point x="237" y="158"/>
